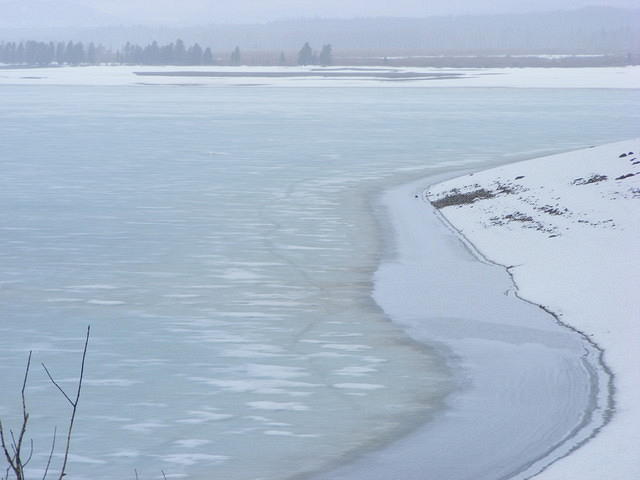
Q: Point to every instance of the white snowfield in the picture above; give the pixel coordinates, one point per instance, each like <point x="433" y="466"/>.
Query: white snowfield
<point x="568" y="228"/>
<point x="601" y="77"/>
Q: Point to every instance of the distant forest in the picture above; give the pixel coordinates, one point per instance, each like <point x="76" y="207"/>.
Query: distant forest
<point x="592" y="36"/>
<point x="595" y="30"/>
<point x="42" y="54"/>
<point x="36" y="53"/>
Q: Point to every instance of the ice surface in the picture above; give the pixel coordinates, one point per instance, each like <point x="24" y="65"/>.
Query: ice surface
<point x="79" y="161"/>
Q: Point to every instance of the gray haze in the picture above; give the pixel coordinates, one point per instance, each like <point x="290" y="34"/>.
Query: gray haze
<point x="43" y="13"/>
<point x="595" y="30"/>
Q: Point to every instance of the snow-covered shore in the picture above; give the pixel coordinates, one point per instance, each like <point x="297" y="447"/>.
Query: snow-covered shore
<point x="567" y="228"/>
<point x="526" y="389"/>
<point x="601" y="77"/>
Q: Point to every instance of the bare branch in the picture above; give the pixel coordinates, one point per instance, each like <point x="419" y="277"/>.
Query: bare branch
<point x="30" y="454"/>
<point x="14" y="445"/>
<point x="24" y="385"/>
<point x="135" y="470"/>
<point x="25" y="415"/>
<point x="56" y="384"/>
<point x="10" y="458"/>
<point x="163" y="475"/>
<point x="75" y="405"/>
<point x="84" y="356"/>
<point x="25" y="419"/>
<point x="53" y="447"/>
<point x="14" y="460"/>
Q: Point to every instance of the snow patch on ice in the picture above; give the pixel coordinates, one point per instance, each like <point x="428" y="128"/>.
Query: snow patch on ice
<point x="110" y="382"/>
<point x="105" y="302"/>
<point x="240" y="274"/>
<point x="359" y="386"/>
<point x="191" y="443"/>
<point x="355" y="371"/>
<point x="188" y="459"/>
<point x="265" y="405"/>
<point x="144" y="427"/>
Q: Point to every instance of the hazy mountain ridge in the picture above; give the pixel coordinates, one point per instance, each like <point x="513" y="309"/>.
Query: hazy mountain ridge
<point x="587" y="30"/>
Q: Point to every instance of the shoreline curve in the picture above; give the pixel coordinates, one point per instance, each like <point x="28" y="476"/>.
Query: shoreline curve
<point x="610" y="409"/>
<point x="474" y="421"/>
<point x="565" y="228"/>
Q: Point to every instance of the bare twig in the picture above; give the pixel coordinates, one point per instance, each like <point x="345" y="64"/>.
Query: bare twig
<point x="25" y="419"/>
<point x="56" y="384"/>
<point x="14" y="459"/>
<point x="53" y="447"/>
<point x="74" y="403"/>
<point x="10" y="458"/>
<point x="12" y="444"/>
<point x="164" y="475"/>
<point x="26" y="462"/>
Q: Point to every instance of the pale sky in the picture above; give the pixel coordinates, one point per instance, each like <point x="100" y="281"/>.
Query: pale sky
<point x="249" y="11"/>
<point x="263" y="10"/>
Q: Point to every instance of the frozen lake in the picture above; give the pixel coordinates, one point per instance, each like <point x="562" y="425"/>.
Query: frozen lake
<point x="222" y="243"/>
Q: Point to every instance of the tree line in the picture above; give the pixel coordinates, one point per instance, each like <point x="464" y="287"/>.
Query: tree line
<point x="306" y="55"/>
<point x="36" y="53"/>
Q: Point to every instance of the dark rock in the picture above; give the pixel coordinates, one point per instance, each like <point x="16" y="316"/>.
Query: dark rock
<point x="622" y="177"/>
<point x="518" y="217"/>
<point x="455" y="197"/>
<point x="592" y="179"/>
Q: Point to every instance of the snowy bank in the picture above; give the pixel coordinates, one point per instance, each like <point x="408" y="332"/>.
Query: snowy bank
<point x="567" y="227"/>
<point x="591" y="77"/>
<point x="526" y="389"/>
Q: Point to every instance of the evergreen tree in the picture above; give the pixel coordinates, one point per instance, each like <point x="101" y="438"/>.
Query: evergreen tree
<point x="137" y="54"/>
<point x="51" y="53"/>
<point x="4" y="52"/>
<point x="30" y="53"/>
<point x="282" y="60"/>
<point x="124" y="56"/>
<point x="179" y="53"/>
<point x="68" y="53"/>
<point x="60" y="53"/>
<point x="194" y="55"/>
<point x="9" y="53"/>
<point x="151" y="54"/>
<point x="325" y="57"/>
<point x="207" y="57"/>
<point x="20" y="53"/>
<point x="167" y="54"/>
<point x="78" y="54"/>
<point x="305" y="55"/>
<point x="92" y="54"/>
<point x="236" y="58"/>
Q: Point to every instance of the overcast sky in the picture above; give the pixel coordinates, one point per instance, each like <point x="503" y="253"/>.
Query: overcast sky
<point x="245" y="11"/>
